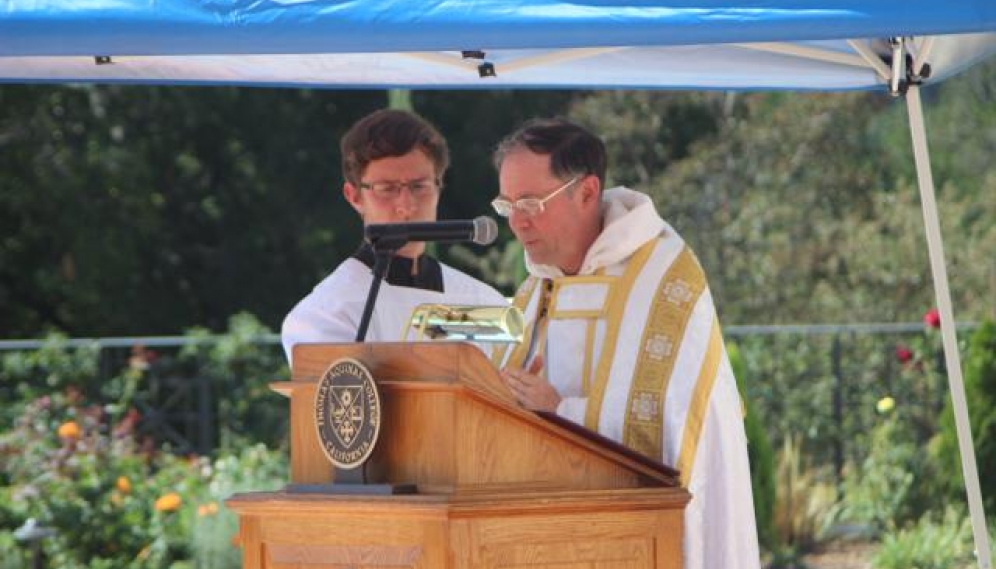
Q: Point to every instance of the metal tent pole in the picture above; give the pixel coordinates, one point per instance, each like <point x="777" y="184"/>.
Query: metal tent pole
<point x="942" y="293"/>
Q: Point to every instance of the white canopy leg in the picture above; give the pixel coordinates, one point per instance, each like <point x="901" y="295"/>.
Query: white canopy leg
<point x="951" y="356"/>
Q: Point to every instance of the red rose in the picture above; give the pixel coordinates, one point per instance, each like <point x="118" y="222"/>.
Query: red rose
<point x="932" y="318"/>
<point x="903" y="354"/>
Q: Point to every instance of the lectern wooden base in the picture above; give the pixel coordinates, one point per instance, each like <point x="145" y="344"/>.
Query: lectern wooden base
<point x="637" y="528"/>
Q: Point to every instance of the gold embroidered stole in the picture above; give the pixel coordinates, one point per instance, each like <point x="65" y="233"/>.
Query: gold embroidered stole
<point x="677" y="293"/>
<point x="676" y="296"/>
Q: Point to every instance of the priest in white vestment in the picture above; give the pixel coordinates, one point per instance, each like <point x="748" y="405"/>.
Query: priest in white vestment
<point x="393" y="162"/>
<point x="622" y="332"/>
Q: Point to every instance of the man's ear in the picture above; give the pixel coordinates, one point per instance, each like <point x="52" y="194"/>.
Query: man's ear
<point x="352" y="195"/>
<point x="591" y="189"/>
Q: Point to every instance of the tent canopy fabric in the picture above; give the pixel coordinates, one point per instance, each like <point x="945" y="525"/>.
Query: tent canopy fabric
<point x="487" y="44"/>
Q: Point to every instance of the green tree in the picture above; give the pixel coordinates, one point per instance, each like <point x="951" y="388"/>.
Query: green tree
<point x="803" y="207"/>
<point x="980" y="392"/>
<point x="148" y="209"/>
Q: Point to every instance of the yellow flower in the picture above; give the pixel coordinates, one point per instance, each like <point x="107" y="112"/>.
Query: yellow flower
<point x="168" y="502"/>
<point x="123" y="485"/>
<point x="885" y="404"/>
<point x="209" y="509"/>
<point x="69" y="431"/>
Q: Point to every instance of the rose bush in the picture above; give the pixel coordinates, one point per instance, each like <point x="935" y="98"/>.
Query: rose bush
<point x="74" y="459"/>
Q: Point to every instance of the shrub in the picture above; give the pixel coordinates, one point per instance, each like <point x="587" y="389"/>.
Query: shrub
<point x="72" y="458"/>
<point x="824" y="388"/>
<point x="891" y="486"/>
<point x="943" y="542"/>
<point x="254" y="469"/>
<point x="803" y="502"/>
<point x="980" y="392"/>
<point x="115" y="504"/>
<point x="761" y="456"/>
<point x="26" y="376"/>
<point x="239" y="371"/>
<point x="95" y="487"/>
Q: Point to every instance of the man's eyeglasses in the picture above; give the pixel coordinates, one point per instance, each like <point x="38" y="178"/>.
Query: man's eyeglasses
<point x="528" y="206"/>
<point x="391" y="189"/>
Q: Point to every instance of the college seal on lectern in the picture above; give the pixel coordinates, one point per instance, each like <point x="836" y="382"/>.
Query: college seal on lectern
<point x="347" y="413"/>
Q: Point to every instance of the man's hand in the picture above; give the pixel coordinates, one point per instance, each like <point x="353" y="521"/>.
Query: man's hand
<point x="530" y="388"/>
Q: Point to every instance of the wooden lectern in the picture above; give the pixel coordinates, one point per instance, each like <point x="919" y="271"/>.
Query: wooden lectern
<point x="498" y="486"/>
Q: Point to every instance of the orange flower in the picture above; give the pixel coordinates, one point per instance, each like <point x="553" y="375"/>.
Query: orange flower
<point x="209" y="509"/>
<point x="123" y="485"/>
<point x="168" y="502"/>
<point x="69" y="431"/>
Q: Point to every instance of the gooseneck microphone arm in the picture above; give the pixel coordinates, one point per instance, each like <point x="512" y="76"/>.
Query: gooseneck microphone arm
<point x="386" y="238"/>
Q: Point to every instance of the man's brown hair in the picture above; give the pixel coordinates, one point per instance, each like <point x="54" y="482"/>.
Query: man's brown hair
<point x="573" y="150"/>
<point x="390" y="133"/>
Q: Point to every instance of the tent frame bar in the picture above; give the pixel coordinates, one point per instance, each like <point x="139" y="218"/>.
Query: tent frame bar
<point x="942" y="292"/>
<point x="805" y="52"/>
<point x="871" y="58"/>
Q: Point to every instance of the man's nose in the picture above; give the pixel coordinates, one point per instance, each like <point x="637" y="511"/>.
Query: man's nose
<point x="517" y="219"/>
<point x="406" y="202"/>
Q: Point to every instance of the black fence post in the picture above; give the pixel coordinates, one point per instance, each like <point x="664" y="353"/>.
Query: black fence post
<point x="838" y="407"/>
<point x="205" y="416"/>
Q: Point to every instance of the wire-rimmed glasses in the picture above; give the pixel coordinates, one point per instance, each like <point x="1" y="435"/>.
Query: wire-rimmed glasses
<point x="528" y="206"/>
<point x="388" y="190"/>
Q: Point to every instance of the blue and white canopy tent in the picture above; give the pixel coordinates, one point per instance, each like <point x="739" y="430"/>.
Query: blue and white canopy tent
<point x="483" y="44"/>
<point x="895" y="47"/>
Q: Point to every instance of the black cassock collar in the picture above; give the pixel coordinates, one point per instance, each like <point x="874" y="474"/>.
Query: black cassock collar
<point x="423" y="272"/>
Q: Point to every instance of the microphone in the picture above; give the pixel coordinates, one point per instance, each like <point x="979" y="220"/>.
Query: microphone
<point x="482" y="231"/>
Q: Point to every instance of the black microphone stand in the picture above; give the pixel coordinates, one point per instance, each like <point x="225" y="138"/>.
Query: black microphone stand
<point x="384" y="250"/>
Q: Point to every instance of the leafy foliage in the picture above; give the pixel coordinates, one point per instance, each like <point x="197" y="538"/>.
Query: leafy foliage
<point x="934" y="542"/>
<point x="238" y="370"/>
<point x="111" y="503"/>
<point x="882" y="491"/>
<point x="803" y="207"/>
<point x="130" y="209"/>
<point x="761" y="456"/>
<point x="75" y="460"/>
<point x="980" y="393"/>
<point x="804" y="500"/>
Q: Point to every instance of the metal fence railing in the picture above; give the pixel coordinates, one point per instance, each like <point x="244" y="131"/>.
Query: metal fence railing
<point x="825" y="382"/>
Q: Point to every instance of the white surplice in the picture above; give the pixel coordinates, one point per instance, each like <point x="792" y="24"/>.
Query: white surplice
<point x="332" y="311"/>
<point x="700" y="430"/>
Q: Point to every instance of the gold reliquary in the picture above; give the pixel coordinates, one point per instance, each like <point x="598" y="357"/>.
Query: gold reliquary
<point x="501" y="324"/>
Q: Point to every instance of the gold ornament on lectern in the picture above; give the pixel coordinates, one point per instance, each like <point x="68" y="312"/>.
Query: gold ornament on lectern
<point x="503" y="324"/>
